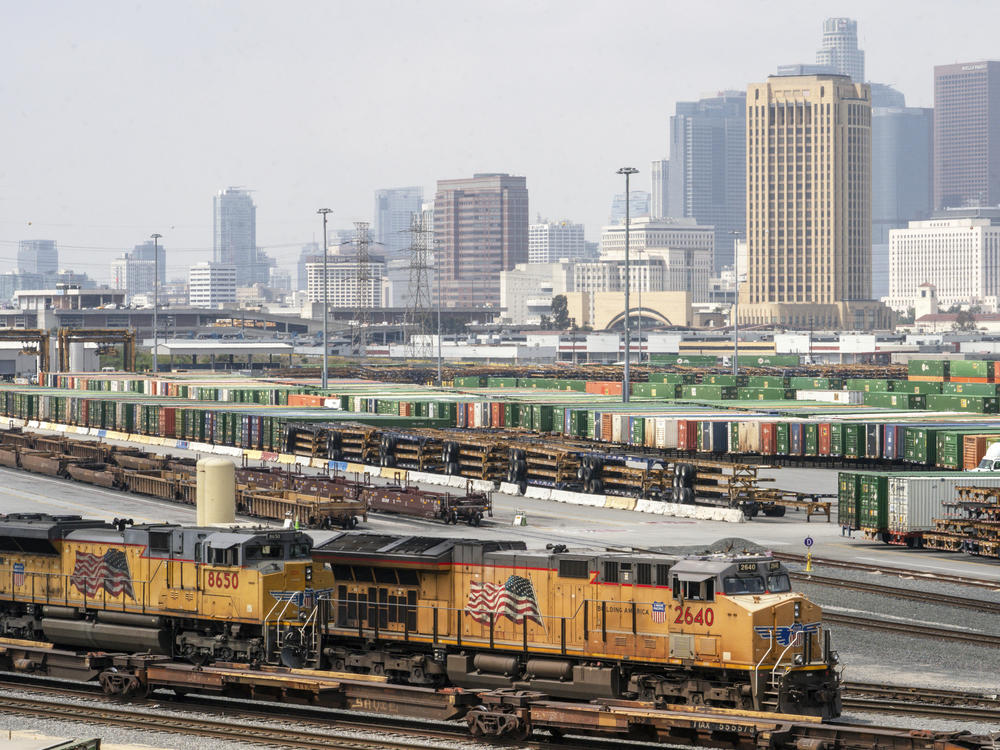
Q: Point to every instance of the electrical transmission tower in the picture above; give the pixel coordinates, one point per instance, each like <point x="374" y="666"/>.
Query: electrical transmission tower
<point x="418" y="304"/>
<point x="363" y="316"/>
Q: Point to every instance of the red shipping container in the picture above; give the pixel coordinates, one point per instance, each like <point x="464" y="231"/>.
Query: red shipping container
<point x="996" y="371"/>
<point x="470" y="415"/>
<point x="768" y="438"/>
<point x="84" y="412"/>
<point x="168" y="421"/>
<point x="607" y="430"/>
<point x="496" y="414"/>
<point x="604" y="387"/>
<point x="824" y="438"/>
<point x="687" y="434"/>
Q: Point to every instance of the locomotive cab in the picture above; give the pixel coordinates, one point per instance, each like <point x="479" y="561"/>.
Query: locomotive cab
<point x="773" y="633"/>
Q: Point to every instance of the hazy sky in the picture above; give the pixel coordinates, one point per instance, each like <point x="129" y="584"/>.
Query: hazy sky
<point x="122" y="119"/>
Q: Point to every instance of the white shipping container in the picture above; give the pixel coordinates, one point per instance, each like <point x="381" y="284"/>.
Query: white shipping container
<point x="616" y="428"/>
<point x="649" y="432"/>
<point x="832" y="397"/>
<point x="914" y="502"/>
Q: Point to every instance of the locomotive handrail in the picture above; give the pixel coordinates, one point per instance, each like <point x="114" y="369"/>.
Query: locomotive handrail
<point x="770" y="645"/>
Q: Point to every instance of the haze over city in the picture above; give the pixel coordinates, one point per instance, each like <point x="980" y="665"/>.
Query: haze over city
<point x="124" y="120"/>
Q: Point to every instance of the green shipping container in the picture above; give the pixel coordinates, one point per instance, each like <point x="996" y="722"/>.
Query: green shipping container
<point x="892" y="400"/>
<point x="501" y="382"/>
<point x="766" y="394"/>
<point x="848" y="496"/>
<point x="710" y="392"/>
<point x="679" y="378"/>
<point x="977" y="404"/>
<point x="873" y="508"/>
<point x="867" y="384"/>
<point x="854" y="440"/>
<point x="781" y="439"/>
<point x="769" y="360"/>
<point x="810" y="384"/>
<point x="836" y="439"/>
<point x="689" y="360"/>
<point x="767" y="381"/>
<point x="920" y="445"/>
<point x="968" y="389"/>
<point x="811" y="439"/>
<point x="916" y="386"/>
<point x="737" y="380"/>
<point x="936" y="368"/>
<point x="971" y="368"/>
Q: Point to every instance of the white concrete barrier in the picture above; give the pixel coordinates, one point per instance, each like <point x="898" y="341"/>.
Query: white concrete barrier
<point x="562" y="496"/>
<point x="539" y="493"/>
<point x="509" y="488"/>
<point x="483" y="485"/>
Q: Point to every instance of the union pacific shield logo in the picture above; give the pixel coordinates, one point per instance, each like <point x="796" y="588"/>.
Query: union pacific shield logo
<point x="659" y="612"/>
<point x="785" y="634"/>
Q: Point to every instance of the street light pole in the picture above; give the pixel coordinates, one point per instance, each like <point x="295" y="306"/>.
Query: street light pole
<point x="326" y="302"/>
<point x="626" y="386"/>
<point x="437" y="266"/>
<point x="642" y="269"/>
<point x="156" y="298"/>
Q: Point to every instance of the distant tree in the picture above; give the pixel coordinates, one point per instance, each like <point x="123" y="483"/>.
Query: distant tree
<point x="545" y="323"/>
<point x="964" y="321"/>
<point x="560" y="312"/>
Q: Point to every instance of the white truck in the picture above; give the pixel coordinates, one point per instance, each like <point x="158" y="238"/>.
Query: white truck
<point x="990" y="461"/>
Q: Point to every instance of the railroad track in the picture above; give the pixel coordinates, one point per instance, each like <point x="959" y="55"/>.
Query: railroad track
<point x="891" y="570"/>
<point x="918" y="701"/>
<point x="223" y="729"/>
<point x="899" y="593"/>
<point x="907" y="628"/>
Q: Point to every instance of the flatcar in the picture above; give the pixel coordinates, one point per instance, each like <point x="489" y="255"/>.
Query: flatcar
<point x="715" y="630"/>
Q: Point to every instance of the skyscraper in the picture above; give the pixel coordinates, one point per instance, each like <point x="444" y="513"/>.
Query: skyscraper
<point x="902" y="167"/>
<point x="809" y="205"/>
<point x="309" y="254"/>
<point x="638" y="205"/>
<point x="480" y="229"/>
<point x="37" y="256"/>
<point x="967" y="134"/>
<point x="708" y="168"/>
<point x="659" y="178"/>
<point x="234" y="239"/>
<point x="393" y="208"/>
<point x="550" y="241"/>
<point x="840" y="48"/>
<point x="135" y="271"/>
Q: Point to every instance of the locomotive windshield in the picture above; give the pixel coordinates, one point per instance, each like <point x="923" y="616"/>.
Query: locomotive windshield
<point x="735" y="586"/>
<point x="777" y="583"/>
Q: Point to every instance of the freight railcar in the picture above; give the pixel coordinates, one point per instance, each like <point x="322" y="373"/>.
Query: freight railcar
<point x="716" y="630"/>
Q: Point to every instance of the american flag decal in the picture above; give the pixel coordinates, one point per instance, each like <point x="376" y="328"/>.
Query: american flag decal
<point x="659" y="612"/>
<point x="515" y="599"/>
<point x="19" y="574"/>
<point x="110" y="571"/>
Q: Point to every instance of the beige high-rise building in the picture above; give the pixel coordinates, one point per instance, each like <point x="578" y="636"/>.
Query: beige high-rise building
<point x="809" y="205"/>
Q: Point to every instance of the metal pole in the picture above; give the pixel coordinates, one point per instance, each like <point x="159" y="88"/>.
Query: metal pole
<point x="326" y="302"/>
<point x="638" y="322"/>
<point x="736" y="321"/>
<point x="437" y="265"/>
<point x="626" y="380"/>
<point x="156" y="298"/>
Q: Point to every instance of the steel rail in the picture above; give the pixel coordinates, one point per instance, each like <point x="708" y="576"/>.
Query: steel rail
<point x="927" y="695"/>
<point x="900" y="593"/>
<point x="907" y="628"/>
<point x="890" y="570"/>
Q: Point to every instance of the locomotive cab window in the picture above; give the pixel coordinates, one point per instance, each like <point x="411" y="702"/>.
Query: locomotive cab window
<point x="778" y="583"/>
<point x="735" y="586"/>
<point x="226" y="556"/>
<point x="696" y="591"/>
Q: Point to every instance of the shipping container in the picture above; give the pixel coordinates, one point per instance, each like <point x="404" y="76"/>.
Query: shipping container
<point x="969" y="389"/>
<point x="750" y="393"/>
<point x="974" y="448"/>
<point x="914" y="501"/>
<point x="971" y="368"/>
<point x="977" y="404"/>
<point x="873" y="508"/>
<point x="848" y="498"/>
<point x="709" y="392"/>
<point x="936" y="368"/>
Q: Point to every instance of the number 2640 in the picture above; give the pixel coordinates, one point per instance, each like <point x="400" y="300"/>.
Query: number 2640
<point x="691" y="616"/>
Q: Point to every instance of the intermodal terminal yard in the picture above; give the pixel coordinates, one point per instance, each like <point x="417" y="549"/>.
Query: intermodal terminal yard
<point x="903" y="558"/>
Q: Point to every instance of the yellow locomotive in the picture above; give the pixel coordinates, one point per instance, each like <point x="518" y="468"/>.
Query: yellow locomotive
<point x="200" y="593"/>
<point x="714" y="630"/>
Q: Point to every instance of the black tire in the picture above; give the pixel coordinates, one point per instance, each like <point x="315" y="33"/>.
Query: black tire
<point x="687" y="496"/>
<point x="522" y="486"/>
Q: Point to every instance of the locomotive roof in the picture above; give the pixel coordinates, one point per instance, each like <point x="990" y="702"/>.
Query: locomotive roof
<point x="412" y="548"/>
<point x="45" y="526"/>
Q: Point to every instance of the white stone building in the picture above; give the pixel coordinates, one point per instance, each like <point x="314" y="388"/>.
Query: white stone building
<point x="664" y="255"/>
<point x="342" y="280"/>
<point x="959" y="256"/>
<point x="551" y="241"/>
<point x="526" y="292"/>
<point x="212" y="285"/>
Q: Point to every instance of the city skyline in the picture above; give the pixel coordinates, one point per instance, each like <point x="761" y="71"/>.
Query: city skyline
<point x="151" y="165"/>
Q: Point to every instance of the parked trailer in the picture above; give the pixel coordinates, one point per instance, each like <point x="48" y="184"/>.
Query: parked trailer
<point x="914" y="501"/>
